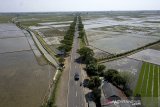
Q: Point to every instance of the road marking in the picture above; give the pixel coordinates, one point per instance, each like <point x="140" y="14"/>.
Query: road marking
<point x="75" y="66"/>
<point x="76" y="93"/>
<point x="69" y="77"/>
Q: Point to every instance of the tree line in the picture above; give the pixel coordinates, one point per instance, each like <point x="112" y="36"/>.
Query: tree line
<point x="66" y="43"/>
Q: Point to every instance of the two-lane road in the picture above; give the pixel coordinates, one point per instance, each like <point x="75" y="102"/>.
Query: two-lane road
<point x="75" y="91"/>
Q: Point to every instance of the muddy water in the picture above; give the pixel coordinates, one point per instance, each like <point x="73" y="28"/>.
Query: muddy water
<point x="23" y="82"/>
<point x="117" y="34"/>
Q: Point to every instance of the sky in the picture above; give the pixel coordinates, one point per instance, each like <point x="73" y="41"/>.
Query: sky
<point x="76" y="5"/>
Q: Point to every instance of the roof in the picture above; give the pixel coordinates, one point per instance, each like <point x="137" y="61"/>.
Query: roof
<point x="59" y="52"/>
<point x="119" y="105"/>
<point x="91" y="104"/>
<point x="111" y="93"/>
<point x="109" y="90"/>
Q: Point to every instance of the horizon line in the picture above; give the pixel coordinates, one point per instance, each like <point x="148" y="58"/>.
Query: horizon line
<point x="77" y="11"/>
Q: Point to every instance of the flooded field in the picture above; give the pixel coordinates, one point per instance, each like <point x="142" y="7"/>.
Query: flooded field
<point x="148" y="55"/>
<point x="24" y="74"/>
<point x="120" y="32"/>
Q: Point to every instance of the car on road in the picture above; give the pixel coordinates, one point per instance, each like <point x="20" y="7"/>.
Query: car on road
<point x="85" y="82"/>
<point x="76" y="76"/>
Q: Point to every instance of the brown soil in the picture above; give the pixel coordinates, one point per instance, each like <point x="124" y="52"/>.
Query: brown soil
<point x="61" y="97"/>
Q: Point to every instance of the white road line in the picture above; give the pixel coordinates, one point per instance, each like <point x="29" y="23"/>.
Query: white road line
<point x="76" y="93"/>
<point x="76" y="82"/>
<point x="143" y="76"/>
<point x="69" y="77"/>
<point x="147" y="81"/>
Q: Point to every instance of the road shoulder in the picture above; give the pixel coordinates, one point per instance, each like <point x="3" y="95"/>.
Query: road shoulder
<point x="61" y="97"/>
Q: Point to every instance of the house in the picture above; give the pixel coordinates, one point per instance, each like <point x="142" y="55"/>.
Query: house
<point x="60" y="53"/>
<point x="110" y="94"/>
<point x="91" y="104"/>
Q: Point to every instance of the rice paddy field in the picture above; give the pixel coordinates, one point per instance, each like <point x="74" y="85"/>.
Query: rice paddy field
<point x="147" y="55"/>
<point x="51" y="27"/>
<point x="24" y="73"/>
<point x="148" y="85"/>
<point x="119" y="32"/>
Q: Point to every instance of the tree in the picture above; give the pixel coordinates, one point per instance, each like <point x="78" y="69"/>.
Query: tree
<point x="108" y="75"/>
<point x="65" y="48"/>
<point x="61" y="60"/>
<point x="101" y="69"/>
<point x="81" y="34"/>
<point x="86" y="54"/>
<point x="118" y="80"/>
<point x="67" y="42"/>
<point x="94" y="82"/>
<point x="137" y="97"/>
<point x="91" y="69"/>
<point x="97" y="95"/>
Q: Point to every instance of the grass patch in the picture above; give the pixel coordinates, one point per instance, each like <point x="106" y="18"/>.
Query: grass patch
<point x="137" y="90"/>
<point x="151" y="76"/>
<point x="53" y="96"/>
<point x="52" y="101"/>
<point x="82" y="44"/>
<point x="46" y="46"/>
<point x="5" y="19"/>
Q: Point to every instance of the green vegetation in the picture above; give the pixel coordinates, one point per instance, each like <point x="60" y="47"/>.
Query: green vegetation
<point x="148" y="84"/>
<point x="4" y="18"/>
<point x="95" y="70"/>
<point x="118" y="80"/>
<point x="61" y="60"/>
<point x="86" y="54"/>
<point x="82" y="34"/>
<point x="53" y="32"/>
<point x="32" y="19"/>
<point x="97" y="96"/>
<point x="94" y="82"/>
<point x="52" y="100"/>
<point x="66" y="45"/>
<point x="114" y="77"/>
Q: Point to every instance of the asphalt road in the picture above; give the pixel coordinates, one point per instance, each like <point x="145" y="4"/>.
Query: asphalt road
<point x="75" y="91"/>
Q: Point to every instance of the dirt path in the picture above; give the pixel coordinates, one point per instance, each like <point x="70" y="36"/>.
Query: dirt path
<point x="61" y="97"/>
